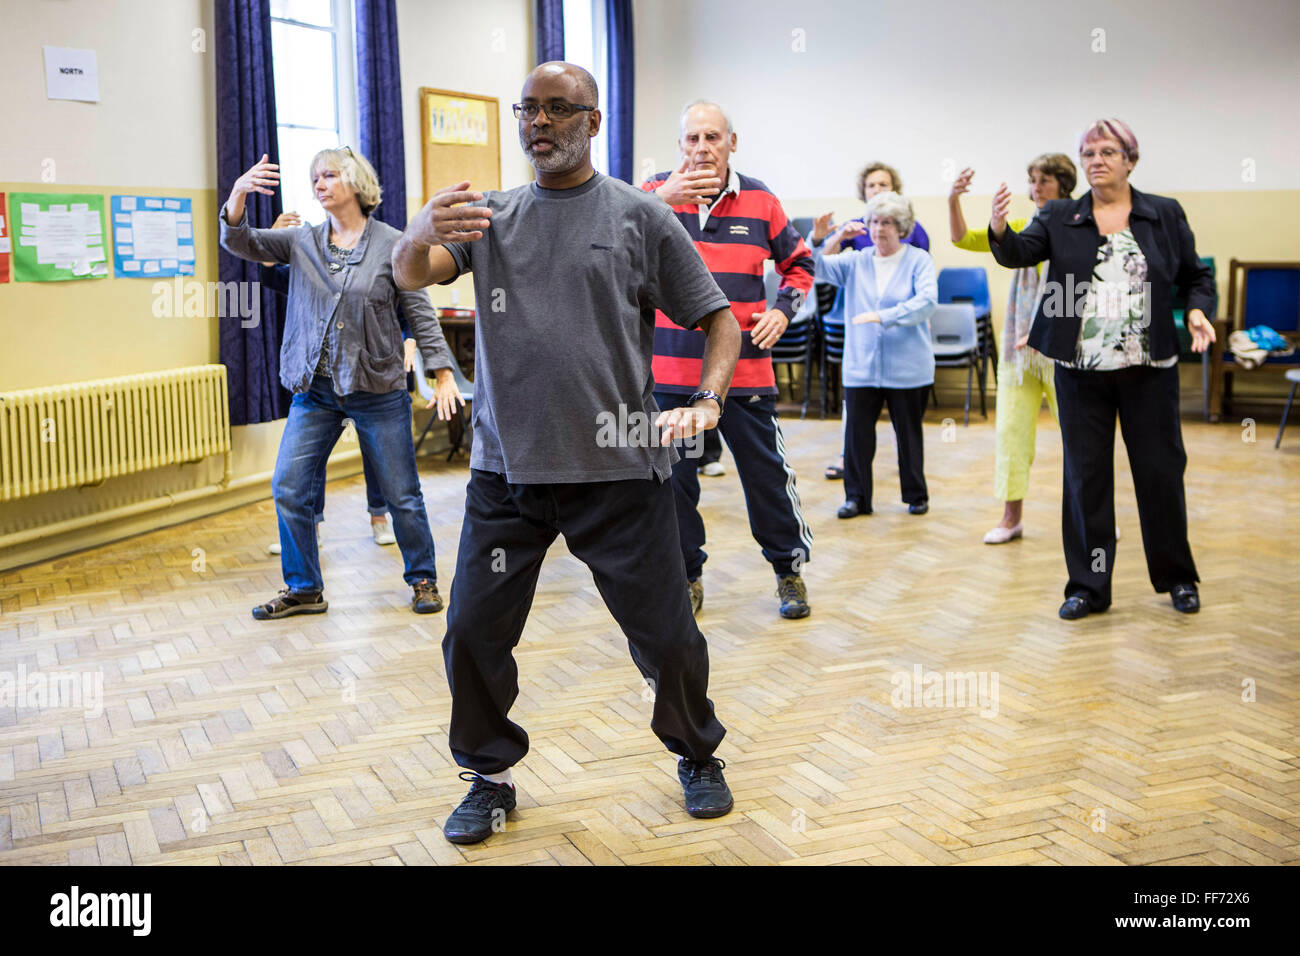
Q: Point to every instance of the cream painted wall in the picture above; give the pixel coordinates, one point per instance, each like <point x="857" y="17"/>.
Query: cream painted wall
<point x="817" y="89"/>
<point x="488" y="53"/>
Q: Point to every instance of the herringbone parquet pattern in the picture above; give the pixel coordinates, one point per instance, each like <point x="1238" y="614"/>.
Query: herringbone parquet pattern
<point x="1138" y="736"/>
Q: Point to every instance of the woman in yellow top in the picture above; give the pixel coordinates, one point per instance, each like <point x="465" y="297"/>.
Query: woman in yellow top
<point x="1024" y="376"/>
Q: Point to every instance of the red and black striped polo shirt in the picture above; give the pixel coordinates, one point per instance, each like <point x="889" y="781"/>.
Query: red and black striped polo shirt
<point x="743" y="231"/>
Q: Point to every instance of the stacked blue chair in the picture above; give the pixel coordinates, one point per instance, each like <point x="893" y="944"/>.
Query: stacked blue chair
<point x="972" y="285"/>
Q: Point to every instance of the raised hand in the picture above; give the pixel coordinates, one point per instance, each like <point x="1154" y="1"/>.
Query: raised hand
<point x="444" y="219"/>
<point x="848" y="232"/>
<point x="683" y="188"/>
<point x="1001" y="206"/>
<point x="287" y="220"/>
<point x="822" y="227"/>
<point x="962" y="183"/>
<point x="262" y="177"/>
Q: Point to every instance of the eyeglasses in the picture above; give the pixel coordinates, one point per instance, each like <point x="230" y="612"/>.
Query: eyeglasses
<point x="1107" y="154"/>
<point x="555" y="110"/>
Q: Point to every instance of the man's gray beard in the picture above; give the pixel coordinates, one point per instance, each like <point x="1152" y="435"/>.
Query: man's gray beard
<point x="565" y="153"/>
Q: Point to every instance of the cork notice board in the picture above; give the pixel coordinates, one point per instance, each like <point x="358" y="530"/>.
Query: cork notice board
<point x="460" y="139"/>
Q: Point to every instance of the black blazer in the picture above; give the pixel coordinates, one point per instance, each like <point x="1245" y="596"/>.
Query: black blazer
<point x="1065" y="232"/>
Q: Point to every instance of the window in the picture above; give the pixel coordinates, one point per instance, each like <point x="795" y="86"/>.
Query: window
<point x="585" y="44"/>
<point x="315" y="91"/>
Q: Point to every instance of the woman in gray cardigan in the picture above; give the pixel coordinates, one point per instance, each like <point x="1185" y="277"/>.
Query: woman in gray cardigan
<point x="342" y="358"/>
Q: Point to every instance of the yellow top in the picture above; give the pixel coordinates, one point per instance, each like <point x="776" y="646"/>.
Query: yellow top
<point x="978" y="241"/>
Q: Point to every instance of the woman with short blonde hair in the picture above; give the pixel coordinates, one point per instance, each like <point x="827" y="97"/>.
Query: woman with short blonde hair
<point x="342" y="356"/>
<point x="355" y="172"/>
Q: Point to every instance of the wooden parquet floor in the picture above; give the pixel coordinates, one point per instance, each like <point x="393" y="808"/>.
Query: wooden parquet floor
<point x="1137" y="736"/>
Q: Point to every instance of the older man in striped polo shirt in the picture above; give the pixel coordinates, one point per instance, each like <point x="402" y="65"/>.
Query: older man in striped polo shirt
<point x="737" y="224"/>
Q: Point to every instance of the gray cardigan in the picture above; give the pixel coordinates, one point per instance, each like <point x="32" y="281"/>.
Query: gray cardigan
<point x="366" y="347"/>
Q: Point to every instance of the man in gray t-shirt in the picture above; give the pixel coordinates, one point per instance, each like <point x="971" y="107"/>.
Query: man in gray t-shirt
<point x="568" y="273"/>
<point x="567" y="282"/>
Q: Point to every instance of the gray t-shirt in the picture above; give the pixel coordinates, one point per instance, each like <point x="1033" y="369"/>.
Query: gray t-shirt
<point x="566" y="283"/>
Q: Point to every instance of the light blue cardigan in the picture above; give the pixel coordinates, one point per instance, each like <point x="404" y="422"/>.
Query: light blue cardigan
<point x="896" y="352"/>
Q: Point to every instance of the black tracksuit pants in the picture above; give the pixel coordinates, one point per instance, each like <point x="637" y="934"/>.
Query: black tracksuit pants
<point x="626" y="533"/>
<point x="749" y="427"/>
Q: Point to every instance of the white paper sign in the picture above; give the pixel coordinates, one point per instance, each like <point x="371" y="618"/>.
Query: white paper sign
<point x="154" y="234"/>
<point x="131" y="265"/>
<point x="60" y="236"/>
<point x="71" y="74"/>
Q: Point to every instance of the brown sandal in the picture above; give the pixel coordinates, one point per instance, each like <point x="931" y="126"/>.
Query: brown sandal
<point x="289" y="602"/>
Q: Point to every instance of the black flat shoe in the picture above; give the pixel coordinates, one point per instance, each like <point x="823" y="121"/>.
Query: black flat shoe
<point x="1074" y="608"/>
<point x="920" y="508"/>
<point x="851" y="509"/>
<point x="1185" y="598"/>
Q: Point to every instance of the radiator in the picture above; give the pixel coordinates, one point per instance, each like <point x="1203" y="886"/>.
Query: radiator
<point x="66" y="436"/>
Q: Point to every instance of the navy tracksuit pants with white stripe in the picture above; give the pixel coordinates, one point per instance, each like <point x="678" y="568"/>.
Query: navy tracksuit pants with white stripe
<point x="750" y="429"/>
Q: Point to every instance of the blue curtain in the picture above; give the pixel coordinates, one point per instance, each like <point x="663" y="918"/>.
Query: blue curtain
<point x="379" y="99"/>
<point x="549" y="17"/>
<point x="618" y="98"/>
<point x="246" y="129"/>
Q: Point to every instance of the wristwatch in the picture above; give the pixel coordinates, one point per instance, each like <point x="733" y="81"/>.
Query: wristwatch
<point x="706" y="393"/>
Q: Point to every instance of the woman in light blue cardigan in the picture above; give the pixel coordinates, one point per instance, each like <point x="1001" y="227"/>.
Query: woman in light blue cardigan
<point x="890" y="291"/>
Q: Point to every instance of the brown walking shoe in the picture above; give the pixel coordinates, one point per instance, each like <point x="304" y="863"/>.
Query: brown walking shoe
<point x="289" y="602"/>
<point x="426" y="599"/>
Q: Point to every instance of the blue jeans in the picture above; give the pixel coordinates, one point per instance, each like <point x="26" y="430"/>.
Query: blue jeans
<point x="375" y="503"/>
<point x="383" y="426"/>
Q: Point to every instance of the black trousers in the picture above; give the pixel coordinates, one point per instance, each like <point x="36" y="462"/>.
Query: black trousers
<point x="906" y="411"/>
<point x="1146" y="400"/>
<point x="626" y="533"/>
<point x="750" y="429"/>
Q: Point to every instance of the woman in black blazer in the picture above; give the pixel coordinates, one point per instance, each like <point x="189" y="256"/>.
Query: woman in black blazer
<point x="1105" y="316"/>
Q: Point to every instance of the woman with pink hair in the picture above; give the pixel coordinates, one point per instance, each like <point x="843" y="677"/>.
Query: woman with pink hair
<point x="1105" y="316"/>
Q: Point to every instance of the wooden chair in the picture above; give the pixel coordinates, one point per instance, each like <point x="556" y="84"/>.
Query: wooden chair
<point x="1259" y="293"/>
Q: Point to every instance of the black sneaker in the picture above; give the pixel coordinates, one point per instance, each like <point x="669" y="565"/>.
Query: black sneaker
<point x="482" y="812"/>
<point x="794" y="596"/>
<point x="707" y="794"/>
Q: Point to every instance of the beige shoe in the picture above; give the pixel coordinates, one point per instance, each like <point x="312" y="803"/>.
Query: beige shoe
<point x="1001" y="535"/>
<point x="383" y="532"/>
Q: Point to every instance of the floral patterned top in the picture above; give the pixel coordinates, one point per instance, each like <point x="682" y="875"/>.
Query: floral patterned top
<point x="1114" y="331"/>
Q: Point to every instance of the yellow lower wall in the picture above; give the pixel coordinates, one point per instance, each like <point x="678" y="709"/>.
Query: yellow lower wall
<point x="60" y="332"/>
<point x="55" y="333"/>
